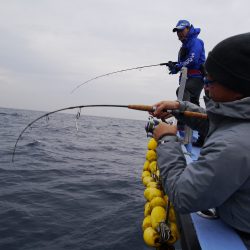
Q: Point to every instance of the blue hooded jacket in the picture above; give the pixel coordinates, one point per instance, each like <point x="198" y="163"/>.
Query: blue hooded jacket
<point x="192" y="53"/>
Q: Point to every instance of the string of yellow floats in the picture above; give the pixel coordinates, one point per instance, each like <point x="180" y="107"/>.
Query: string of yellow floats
<point x="159" y="225"/>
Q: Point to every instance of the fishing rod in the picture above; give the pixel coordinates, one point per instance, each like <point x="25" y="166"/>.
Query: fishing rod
<point x="118" y="71"/>
<point x="135" y="107"/>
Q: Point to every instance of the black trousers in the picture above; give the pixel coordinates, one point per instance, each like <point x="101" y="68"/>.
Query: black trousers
<point x="192" y="93"/>
<point x="192" y="90"/>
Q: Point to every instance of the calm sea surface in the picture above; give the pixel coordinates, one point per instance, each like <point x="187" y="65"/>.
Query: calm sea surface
<point x="70" y="189"/>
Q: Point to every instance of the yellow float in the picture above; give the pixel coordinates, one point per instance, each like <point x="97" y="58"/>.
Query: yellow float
<point x="159" y="225"/>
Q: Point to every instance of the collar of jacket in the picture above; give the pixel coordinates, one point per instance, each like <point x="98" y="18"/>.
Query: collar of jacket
<point x="239" y="109"/>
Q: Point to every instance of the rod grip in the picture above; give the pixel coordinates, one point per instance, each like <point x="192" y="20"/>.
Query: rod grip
<point x="195" y="114"/>
<point x="142" y="107"/>
<point x="152" y="109"/>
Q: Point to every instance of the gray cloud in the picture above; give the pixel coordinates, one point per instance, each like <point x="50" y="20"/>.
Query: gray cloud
<point x="48" y="47"/>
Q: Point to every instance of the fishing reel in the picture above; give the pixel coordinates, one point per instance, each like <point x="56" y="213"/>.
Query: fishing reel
<point x="152" y="123"/>
<point x="150" y="126"/>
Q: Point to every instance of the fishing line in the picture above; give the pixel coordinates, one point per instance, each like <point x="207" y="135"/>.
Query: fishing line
<point x="53" y="112"/>
<point x="135" y="107"/>
<point x="118" y="71"/>
<point x="77" y="117"/>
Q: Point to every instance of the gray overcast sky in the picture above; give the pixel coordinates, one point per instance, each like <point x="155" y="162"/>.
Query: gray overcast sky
<point x="48" y="47"/>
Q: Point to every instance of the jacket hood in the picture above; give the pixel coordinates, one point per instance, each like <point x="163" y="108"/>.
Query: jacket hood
<point x="239" y="109"/>
<point x="193" y="33"/>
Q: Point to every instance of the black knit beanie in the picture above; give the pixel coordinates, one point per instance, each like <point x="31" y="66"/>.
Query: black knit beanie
<point x="229" y="63"/>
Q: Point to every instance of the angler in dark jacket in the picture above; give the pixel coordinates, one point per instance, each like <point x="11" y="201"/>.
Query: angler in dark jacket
<point x="192" y="56"/>
<point x="220" y="178"/>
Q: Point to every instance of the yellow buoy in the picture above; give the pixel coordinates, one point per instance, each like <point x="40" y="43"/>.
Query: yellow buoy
<point x="152" y="144"/>
<point x="146" y="165"/>
<point x="153" y="167"/>
<point x="146" y="222"/>
<point x="147" y="209"/>
<point x="151" y="192"/>
<point x="151" y="237"/>
<point x="153" y="184"/>
<point x="158" y="215"/>
<point x="145" y="173"/>
<point x="147" y="179"/>
<point x="151" y="155"/>
<point x="158" y="201"/>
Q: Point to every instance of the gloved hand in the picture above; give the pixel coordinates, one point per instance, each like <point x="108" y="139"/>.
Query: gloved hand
<point x="173" y="67"/>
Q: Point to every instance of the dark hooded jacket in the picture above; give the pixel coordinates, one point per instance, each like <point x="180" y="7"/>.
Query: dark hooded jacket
<point x="220" y="177"/>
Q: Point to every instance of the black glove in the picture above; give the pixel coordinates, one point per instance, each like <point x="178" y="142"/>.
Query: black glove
<point x="172" y="67"/>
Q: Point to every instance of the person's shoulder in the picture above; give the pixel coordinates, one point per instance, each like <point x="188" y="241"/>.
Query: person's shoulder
<point x="198" y="40"/>
<point x="232" y="136"/>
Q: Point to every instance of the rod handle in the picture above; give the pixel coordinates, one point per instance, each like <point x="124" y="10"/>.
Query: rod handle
<point x="142" y="107"/>
<point x="152" y="109"/>
<point x="195" y="115"/>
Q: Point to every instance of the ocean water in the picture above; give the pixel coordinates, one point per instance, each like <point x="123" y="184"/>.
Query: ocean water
<point x="70" y="189"/>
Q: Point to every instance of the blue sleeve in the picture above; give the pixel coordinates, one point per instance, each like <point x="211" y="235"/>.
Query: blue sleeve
<point x="194" y="54"/>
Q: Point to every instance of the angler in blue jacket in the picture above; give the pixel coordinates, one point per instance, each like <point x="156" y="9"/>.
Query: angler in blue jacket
<point x="192" y="56"/>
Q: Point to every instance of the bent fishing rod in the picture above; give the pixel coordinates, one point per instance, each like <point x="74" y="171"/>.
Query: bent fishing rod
<point x="135" y="107"/>
<point x="118" y="71"/>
